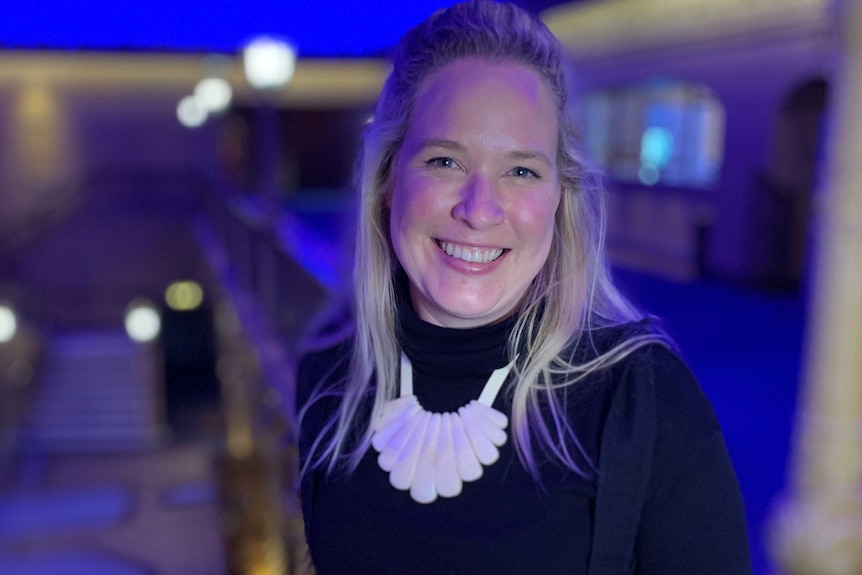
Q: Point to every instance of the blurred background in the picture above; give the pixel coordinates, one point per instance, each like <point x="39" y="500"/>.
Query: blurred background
<point x="176" y="209"/>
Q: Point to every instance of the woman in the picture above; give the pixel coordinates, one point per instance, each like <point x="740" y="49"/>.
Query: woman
<point x="498" y="407"/>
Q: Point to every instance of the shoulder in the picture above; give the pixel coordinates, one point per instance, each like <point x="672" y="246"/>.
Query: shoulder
<point x="598" y="340"/>
<point x="658" y="413"/>
<point x="651" y="370"/>
<point x="681" y="407"/>
<point x="647" y="386"/>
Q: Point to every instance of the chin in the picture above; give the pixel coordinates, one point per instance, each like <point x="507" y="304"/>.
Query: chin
<point x="477" y="315"/>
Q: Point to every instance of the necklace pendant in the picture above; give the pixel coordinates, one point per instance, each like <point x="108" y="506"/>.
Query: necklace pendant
<point x="434" y="454"/>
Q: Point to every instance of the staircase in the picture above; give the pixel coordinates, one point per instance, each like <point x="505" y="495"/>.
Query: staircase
<point x="98" y="392"/>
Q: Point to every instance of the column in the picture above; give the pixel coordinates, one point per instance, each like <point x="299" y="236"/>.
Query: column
<point x="818" y="528"/>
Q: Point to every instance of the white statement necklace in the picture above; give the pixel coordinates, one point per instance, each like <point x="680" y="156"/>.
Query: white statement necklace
<point x="433" y="454"/>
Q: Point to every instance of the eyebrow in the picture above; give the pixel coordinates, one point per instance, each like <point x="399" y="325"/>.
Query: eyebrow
<point x="441" y="143"/>
<point x="455" y="146"/>
<point x="530" y="155"/>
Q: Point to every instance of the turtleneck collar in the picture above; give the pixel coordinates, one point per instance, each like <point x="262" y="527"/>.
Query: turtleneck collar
<point x="470" y="352"/>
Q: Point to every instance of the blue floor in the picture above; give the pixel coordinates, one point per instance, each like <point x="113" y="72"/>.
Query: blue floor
<point x="745" y="348"/>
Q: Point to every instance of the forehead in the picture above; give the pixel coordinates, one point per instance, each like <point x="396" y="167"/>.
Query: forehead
<point x="471" y="97"/>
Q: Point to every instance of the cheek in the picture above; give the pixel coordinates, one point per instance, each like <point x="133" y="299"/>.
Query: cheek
<point x="535" y="216"/>
<point x="414" y="204"/>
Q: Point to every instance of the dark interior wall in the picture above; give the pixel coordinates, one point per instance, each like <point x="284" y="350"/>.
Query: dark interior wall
<point x="5" y="148"/>
<point x="317" y="147"/>
<point x="132" y="180"/>
<point x="138" y="133"/>
<point x="324" y="144"/>
<point x="791" y="181"/>
<point x="118" y="227"/>
<point x="90" y="136"/>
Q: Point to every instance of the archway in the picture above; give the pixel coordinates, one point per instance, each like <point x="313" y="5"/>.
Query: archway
<point x="786" y="190"/>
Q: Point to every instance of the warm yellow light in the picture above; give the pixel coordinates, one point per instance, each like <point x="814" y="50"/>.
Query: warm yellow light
<point x="142" y="321"/>
<point x="38" y="132"/>
<point x="184" y="296"/>
<point x="262" y="569"/>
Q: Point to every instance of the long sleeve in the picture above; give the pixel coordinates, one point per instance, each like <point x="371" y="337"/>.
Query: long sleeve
<point x="693" y="518"/>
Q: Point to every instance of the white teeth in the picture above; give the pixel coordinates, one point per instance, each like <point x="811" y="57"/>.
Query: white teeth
<point x="470" y="254"/>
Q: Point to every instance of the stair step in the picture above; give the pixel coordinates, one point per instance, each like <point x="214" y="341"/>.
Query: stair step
<point x="88" y="440"/>
<point x="88" y="343"/>
<point x="94" y="444"/>
<point x="83" y="404"/>
<point x="89" y="371"/>
<point x="88" y="419"/>
<point x="71" y="395"/>
<point x="95" y="394"/>
<point x="74" y="431"/>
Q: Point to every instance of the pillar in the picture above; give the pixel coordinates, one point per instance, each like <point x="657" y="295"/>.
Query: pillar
<point x="817" y="529"/>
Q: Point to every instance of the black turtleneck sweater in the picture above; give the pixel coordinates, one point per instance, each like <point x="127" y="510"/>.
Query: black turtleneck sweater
<point x="689" y="518"/>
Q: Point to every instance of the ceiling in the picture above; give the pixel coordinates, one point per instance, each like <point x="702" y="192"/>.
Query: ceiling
<point x="319" y="28"/>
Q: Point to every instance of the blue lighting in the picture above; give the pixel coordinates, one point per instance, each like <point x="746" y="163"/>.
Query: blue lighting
<point x="656" y="147"/>
<point x="325" y="28"/>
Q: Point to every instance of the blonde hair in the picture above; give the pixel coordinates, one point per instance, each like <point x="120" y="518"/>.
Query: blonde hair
<point x="570" y="297"/>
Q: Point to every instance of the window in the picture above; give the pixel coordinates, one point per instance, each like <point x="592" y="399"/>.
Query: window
<point x="668" y="132"/>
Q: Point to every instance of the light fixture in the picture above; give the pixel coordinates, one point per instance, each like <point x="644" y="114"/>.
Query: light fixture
<point x="8" y="323"/>
<point x="184" y="296"/>
<point x="191" y="113"/>
<point x="213" y="94"/>
<point x="269" y="62"/>
<point x="143" y="323"/>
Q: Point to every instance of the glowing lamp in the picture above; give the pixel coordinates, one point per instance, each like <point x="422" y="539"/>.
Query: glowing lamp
<point x="191" y="113"/>
<point x="184" y="296"/>
<point x="268" y="62"/>
<point x="8" y="323"/>
<point x="143" y="323"/>
<point x="213" y="94"/>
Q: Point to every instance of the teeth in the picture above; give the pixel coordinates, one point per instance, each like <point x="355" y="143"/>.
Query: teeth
<point x="470" y="254"/>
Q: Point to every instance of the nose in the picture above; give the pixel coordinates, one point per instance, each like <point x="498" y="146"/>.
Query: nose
<point x="479" y="204"/>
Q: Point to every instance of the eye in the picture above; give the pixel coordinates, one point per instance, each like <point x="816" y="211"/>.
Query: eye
<point x="442" y="162"/>
<point x="521" y="172"/>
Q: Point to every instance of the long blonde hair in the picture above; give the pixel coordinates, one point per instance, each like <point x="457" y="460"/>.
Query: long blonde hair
<point x="572" y="294"/>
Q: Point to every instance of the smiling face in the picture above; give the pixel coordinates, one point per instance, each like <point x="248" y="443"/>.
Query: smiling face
<point x="475" y="191"/>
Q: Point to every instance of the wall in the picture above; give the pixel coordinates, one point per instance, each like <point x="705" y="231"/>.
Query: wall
<point x="96" y="201"/>
<point x="751" y="76"/>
